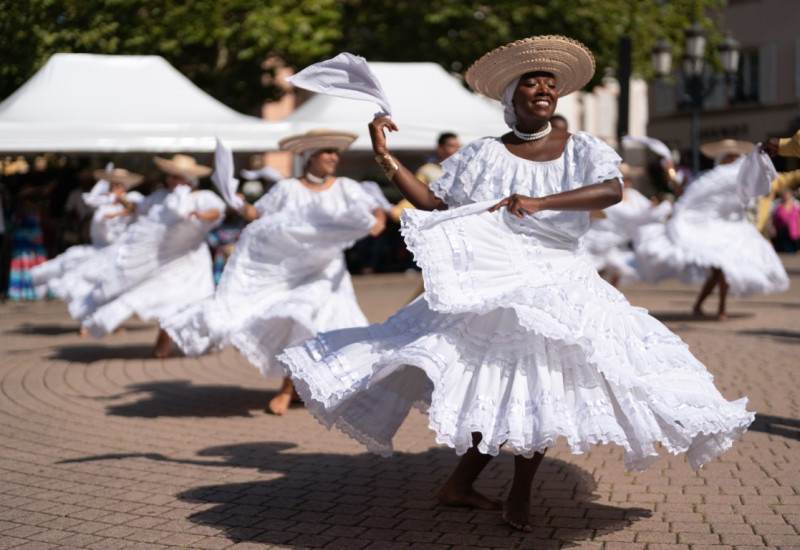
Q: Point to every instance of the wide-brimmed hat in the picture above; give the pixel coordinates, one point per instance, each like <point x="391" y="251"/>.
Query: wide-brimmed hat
<point x="119" y="175"/>
<point x="320" y="138"/>
<point x="716" y="148"/>
<point x="182" y="165"/>
<point x="569" y="61"/>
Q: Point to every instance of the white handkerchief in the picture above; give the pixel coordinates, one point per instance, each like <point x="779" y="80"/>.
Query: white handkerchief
<point x="346" y="75"/>
<point x="223" y="178"/>
<point x="755" y="175"/>
<point x="658" y="147"/>
<point x="266" y="173"/>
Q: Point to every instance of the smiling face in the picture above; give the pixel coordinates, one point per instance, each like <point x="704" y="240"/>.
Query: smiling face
<point x="535" y="99"/>
<point x="323" y="162"/>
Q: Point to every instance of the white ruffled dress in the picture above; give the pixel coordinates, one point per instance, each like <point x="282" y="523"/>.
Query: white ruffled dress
<point x="609" y="240"/>
<point x="708" y="229"/>
<point x="517" y="337"/>
<point x="63" y="276"/>
<point x="287" y="278"/>
<point x="161" y="263"/>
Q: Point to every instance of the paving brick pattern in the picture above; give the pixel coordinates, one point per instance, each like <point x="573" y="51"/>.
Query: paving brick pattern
<point x="103" y="447"/>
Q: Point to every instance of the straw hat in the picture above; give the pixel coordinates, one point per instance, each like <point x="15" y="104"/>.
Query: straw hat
<point x="569" y="61"/>
<point x="119" y="175"/>
<point x="320" y="138"/>
<point x="716" y="148"/>
<point x="182" y="165"/>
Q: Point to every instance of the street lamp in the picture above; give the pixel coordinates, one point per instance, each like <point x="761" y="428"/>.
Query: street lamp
<point x="696" y="80"/>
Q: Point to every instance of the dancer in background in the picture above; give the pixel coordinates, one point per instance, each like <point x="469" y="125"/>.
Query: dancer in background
<point x="162" y="262"/>
<point x="287" y="279"/>
<point x="114" y="209"/>
<point x="517" y="341"/>
<point x="610" y="236"/>
<point x="708" y="240"/>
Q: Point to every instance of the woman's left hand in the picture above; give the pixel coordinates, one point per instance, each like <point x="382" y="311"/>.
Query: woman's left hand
<point x="518" y="205"/>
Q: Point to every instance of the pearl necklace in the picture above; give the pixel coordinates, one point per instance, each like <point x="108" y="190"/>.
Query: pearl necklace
<point x="534" y="136"/>
<point x="314" y="179"/>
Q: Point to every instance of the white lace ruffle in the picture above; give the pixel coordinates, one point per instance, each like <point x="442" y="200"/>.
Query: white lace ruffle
<point x="520" y="342"/>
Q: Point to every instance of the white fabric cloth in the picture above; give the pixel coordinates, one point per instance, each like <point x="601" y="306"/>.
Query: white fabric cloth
<point x="159" y="265"/>
<point x="286" y="279"/>
<point x="63" y="276"/>
<point x="516" y="336"/>
<point x="658" y="147"/>
<point x="375" y="191"/>
<point x="708" y="229"/>
<point x="223" y="179"/>
<point x="265" y="172"/>
<point x="755" y="175"/>
<point x="347" y="76"/>
<point x="609" y="240"/>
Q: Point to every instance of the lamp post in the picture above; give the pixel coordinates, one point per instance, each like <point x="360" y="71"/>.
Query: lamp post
<point x="696" y="79"/>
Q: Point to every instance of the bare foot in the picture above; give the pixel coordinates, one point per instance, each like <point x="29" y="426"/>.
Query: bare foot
<point x="84" y="332"/>
<point x="280" y="403"/>
<point x="722" y="317"/>
<point x="470" y="498"/>
<point x="517" y="515"/>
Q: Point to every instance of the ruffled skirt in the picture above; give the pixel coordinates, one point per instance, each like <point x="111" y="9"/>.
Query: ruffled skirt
<point x="686" y="251"/>
<point x="521" y="342"/>
<point x="153" y="271"/>
<point x="285" y="281"/>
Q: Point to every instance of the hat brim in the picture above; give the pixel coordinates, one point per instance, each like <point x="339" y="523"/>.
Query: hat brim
<point x="569" y="61"/>
<point x="168" y="166"/>
<point x="715" y="149"/>
<point x="315" y="140"/>
<point x="127" y="179"/>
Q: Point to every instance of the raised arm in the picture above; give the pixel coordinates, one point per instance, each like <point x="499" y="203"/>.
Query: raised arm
<point x="592" y="197"/>
<point x="414" y="190"/>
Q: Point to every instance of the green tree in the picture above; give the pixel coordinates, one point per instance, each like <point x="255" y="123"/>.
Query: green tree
<point x="222" y="45"/>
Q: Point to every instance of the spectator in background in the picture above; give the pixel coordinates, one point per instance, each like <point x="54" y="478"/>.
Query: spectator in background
<point x="559" y="122"/>
<point x="446" y="145"/>
<point x="785" y="230"/>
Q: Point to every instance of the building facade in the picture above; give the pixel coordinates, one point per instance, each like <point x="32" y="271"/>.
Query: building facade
<point x="764" y="100"/>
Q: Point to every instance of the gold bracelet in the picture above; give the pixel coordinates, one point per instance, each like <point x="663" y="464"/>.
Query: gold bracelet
<point x="387" y="164"/>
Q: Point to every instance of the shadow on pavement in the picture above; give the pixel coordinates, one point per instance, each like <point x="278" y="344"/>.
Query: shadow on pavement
<point x="89" y="353"/>
<point x="324" y="500"/>
<point x="179" y="398"/>
<point x="790" y="336"/>
<point x="776" y="425"/>
<point x="39" y="329"/>
<point x="677" y="317"/>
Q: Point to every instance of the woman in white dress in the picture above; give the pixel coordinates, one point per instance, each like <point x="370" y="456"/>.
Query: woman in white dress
<point x="517" y="341"/>
<point x="709" y="240"/>
<point x="162" y="262"/>
<point x="610" y="236"/>
<point x="113" y="203"/>
<point x="287" y="278"/>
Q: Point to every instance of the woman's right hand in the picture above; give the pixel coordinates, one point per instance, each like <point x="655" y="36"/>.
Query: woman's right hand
<point x="377" y="136"/>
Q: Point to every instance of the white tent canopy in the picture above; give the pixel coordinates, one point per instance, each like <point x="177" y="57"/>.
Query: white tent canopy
<point x="425" y="99"/>
<point x="118" y="103"/>
<point x="81" y="103"/>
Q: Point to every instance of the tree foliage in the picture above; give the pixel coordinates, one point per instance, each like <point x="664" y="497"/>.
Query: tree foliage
<point x="222" y="45"/>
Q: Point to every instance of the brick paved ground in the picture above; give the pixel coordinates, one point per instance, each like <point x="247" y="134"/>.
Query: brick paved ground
<point x="104" y="447"/>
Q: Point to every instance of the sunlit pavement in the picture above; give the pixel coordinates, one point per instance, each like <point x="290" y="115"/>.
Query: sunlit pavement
<point x="105" y="447"/>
